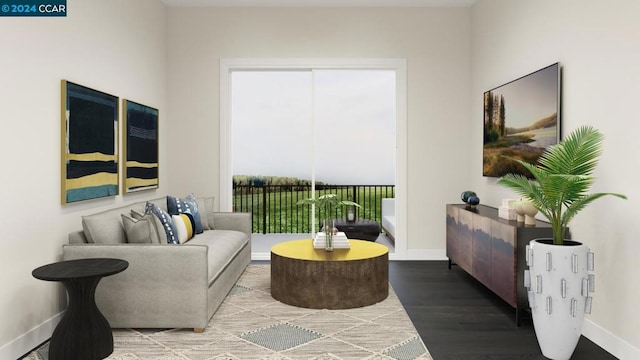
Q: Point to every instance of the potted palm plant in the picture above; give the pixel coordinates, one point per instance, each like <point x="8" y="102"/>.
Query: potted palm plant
<point x="558" y="280"/>
<point x="324" y="203"/>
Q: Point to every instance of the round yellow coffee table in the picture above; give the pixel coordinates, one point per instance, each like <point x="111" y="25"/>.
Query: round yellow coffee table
<point x="341" y="279"/>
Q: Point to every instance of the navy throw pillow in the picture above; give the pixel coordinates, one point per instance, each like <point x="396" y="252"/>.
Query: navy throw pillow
<point x="167" y="223"/>
<point x="188" y="205"/>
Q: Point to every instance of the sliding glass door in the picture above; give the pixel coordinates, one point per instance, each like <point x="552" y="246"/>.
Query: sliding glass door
<point x="292" y="130"/>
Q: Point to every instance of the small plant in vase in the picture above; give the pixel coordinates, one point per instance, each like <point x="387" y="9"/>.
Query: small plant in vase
<point x="325" y="203"/>
<point x="562" y="179"/>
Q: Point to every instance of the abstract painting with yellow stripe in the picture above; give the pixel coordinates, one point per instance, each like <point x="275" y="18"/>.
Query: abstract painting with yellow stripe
<point x="89" y="143"/>
<point x="140" y="147"/>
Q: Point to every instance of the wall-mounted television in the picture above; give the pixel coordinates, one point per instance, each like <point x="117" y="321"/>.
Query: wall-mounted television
<point x="521" y="119"/>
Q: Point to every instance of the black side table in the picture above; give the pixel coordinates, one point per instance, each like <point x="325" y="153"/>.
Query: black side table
<point x="361" y="229"/>
<point x="83" y="333"/>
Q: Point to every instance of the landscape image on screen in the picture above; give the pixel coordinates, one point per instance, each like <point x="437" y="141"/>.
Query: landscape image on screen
<point x="520" y="121"/>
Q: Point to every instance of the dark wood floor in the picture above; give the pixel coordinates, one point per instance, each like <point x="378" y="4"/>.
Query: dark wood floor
<point x="458" y="318"/>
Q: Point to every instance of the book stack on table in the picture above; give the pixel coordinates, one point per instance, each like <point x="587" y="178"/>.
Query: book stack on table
<point x="339" y="241"/>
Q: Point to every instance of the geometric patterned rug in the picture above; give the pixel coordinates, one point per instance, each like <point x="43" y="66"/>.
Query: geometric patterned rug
<point x="250" y="324"/>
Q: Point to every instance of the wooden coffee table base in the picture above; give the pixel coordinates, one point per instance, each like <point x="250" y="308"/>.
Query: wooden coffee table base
<point x="329" y="284"/>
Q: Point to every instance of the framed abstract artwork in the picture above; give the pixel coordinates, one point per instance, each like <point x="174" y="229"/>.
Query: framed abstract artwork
<point x="140" y="147"/>
<point x="89" y="143"/>
<point x="521" y="119"/>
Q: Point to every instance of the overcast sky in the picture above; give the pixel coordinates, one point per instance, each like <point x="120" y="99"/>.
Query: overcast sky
<point x="354" y="115"/>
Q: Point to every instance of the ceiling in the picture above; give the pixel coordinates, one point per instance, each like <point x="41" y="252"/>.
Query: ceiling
<point x="319" y="3"/>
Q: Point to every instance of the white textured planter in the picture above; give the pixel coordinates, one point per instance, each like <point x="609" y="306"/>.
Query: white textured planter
<point x="558" y="286"/>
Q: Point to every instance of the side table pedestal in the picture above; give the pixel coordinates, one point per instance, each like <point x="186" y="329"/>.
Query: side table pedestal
<point x="83" y="333"/>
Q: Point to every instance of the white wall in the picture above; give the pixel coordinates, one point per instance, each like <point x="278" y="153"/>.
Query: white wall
<point x="435" y="42"/>
<point x="118" y="47"/>
<point x="596" y="42"/>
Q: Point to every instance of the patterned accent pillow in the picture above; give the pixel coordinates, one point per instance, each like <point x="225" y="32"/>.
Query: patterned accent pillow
<point x="141" y="231"/>
<point x="185" y="225"/>
<point x="188" y="205"/>
<point x="165" y="220"/>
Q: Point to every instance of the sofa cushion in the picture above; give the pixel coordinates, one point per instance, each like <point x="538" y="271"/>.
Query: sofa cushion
<point x="166" y="222"/>
<point x="104" y="227"/>
<point x="188" y="205"/>
<point x="142" y="231"/>
<point x="185" y="226"/>
<point x="223" y="246"/>
<point x="157" y="224"/>
<point x="205" y="206"/>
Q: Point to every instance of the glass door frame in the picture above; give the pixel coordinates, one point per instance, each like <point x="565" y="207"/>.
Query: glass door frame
<point x="227" y="66"/>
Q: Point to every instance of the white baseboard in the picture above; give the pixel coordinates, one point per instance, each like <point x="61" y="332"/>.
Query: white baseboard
<point x="427" y="254"/>
<point x="261" y="256"/>
<point x="31" y="339"/>
<point x="611" y="343"/>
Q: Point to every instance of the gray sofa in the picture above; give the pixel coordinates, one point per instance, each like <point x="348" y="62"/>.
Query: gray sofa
<point x="166" y="285"/>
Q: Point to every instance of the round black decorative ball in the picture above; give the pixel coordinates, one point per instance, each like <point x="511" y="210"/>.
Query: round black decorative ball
<point x="473" y="200"/>
<point x="466" y="195"/>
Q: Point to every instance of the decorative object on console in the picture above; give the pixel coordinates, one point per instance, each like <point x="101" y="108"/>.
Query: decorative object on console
<point x="508" y="210"/>
<point x="89" y="139"/>
<point x="325" y="203"/>
<point x="558" y="281"/>
<point x="526" y="213"/>
<point x="140" y="147"/>
<point x="519" y="212"/>
<point x="470" y="198"/>
<point x="516" y="125"/>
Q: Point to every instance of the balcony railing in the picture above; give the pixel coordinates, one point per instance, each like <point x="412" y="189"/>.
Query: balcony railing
<point x="275" y="208"/>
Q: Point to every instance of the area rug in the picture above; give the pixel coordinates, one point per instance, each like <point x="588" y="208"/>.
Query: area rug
<point x="250" y="324"/>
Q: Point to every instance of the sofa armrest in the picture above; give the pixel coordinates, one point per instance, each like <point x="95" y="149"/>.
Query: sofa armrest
<point x="233" y="221"/>
<point x="159" y="279"/>
<point x="388" y="207"/>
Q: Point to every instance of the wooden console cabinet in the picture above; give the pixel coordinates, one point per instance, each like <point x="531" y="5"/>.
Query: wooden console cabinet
<point x="492" y="249"/>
